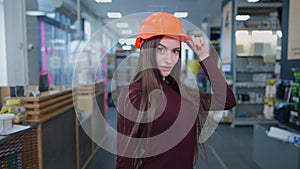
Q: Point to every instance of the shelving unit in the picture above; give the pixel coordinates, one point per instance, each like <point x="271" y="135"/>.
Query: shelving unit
<point x="252" y="56"/>
<point x="250" y="78"/>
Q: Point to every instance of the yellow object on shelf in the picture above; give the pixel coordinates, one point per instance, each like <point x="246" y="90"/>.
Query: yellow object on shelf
<point x="13" y="101"/>
<point x="193" y="66"/>
<point x="14" y="106"/>
<point x="271" y="81"/>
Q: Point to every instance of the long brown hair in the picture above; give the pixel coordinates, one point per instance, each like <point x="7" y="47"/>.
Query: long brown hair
<point x="148" y="74"/>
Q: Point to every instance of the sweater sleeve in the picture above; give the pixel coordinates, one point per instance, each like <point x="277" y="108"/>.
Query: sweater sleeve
<point x="222" y="97"/>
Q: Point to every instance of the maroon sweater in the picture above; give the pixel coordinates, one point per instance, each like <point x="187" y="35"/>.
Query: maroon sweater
<point x="182" y="154"/>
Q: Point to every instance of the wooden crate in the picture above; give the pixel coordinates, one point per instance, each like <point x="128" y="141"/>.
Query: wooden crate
<point x="4" y="92"/>
<point x="48" y="105"/>
<point x="90" y="89"/>
<point x="87" y="97"/>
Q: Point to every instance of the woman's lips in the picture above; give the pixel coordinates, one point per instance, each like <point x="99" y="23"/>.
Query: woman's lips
<point x="166" y="68"/>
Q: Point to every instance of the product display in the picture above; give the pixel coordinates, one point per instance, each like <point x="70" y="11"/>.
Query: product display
<point x="295" y="101"/>
<point x="250" y="83"/>
<point x="15" y="107"/>
<point x="276" y="101"/>
<point x="6" y="121"/>
<point x="284" y="135"/>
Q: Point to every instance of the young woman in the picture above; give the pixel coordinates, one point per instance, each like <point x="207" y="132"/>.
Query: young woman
<point x="159" y="118"/>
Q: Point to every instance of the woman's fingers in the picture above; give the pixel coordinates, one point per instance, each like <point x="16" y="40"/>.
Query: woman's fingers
<point x="198" y="45"/>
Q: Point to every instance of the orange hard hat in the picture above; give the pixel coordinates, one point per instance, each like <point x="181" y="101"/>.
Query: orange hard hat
<point x="161" y="23"/>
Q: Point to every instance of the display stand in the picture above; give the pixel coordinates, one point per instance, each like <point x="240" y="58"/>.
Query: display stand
<point x="271" y="153"/>
<point x="90" y="99"/>
<point x="56" y="134"/>
<point x="19" y="150"/>
<point x="59" y="138"/>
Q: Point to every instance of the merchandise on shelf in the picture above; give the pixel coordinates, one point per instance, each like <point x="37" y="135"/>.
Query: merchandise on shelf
<point x="15" y="107"/>
<point x="296" y="74"/>
<point x="276" y="100"/>
<point x="295" y="100"/>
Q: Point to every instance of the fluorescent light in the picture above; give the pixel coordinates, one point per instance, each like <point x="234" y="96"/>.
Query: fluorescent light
<point x="181" y="14"/>
<point x="114" y="14"/>
<point x="126" y="47"/>
<point x="128" y="41"/>
<point x="122" y="24"/>
<point x="126" y="31"/>
<point x="242" y="17"/>
<point x="51" y="15"/>
<point x="103" y="1"/>
<point x="35" y="13"/>
<point x="253" y="1"/>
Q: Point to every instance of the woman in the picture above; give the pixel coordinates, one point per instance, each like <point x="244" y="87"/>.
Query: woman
<point x="156" y="100"/>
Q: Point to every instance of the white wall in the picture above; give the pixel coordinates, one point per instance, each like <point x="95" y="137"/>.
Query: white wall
<point x="15" y="71"/>
<point x="3" y="68"/>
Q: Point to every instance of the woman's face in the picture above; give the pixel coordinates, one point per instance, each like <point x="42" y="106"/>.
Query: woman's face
<point x="167" y="55"/>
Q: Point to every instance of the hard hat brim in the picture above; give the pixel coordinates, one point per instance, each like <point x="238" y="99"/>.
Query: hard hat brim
<point x="142" y="37"/>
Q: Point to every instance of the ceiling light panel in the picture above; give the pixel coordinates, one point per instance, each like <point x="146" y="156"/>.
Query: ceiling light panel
<point x="114" y="14"/>
<point x="103" y="1"/>
<point x="253" y="1"/>
<point x="126" y="47"/>
<point x="122" y="25"/>
<point x="242" y="17"/>
<point x="127" y="41"/>
<point x="126" y="32"/>
<point x="35" y="13"/>
<point x="181" y="14"/>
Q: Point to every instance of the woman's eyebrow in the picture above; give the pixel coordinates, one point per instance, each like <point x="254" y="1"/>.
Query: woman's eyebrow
<point x="166" y="47"/>
<point x="162" y="45"/>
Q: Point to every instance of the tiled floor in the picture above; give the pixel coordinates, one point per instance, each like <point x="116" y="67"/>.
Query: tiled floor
<point x="229" y="148"/>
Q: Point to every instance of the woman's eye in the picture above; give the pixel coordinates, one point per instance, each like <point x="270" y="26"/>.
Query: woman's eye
<point x="177" y="51"/>
<point x="161" y="50"/>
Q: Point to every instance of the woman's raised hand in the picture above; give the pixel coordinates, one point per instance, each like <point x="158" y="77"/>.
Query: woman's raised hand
<point x="198" y="45"/>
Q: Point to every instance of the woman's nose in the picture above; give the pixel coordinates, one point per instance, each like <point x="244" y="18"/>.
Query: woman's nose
<point x="168" y="57"/>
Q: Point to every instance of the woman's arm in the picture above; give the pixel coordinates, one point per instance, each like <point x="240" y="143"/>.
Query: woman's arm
<point x="222" y="97"/>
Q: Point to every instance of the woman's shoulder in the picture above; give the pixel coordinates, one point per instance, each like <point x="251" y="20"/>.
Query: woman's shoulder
<point x="135" y="85"/>
<point x="131" y="89"/>
<point x="131" y="93"/>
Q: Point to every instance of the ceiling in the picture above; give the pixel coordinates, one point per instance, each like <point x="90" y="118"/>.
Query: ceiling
<point x="197" y="9"/>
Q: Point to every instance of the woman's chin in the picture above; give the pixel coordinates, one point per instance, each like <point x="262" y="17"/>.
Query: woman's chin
<point x="165" y="74"/>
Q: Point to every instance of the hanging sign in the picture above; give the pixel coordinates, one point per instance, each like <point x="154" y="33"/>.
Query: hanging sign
<point x="294" y="36"/>
<point x="226" y="40"/>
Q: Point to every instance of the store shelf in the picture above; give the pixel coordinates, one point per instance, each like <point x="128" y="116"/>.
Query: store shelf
<point x="249" y="103"/>
<point x="254" y="71"/>
<point x="249" y="85"/>
<point x="251" y="121"/>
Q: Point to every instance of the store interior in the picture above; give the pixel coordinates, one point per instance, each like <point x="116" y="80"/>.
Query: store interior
<point x="64" y="63"/>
